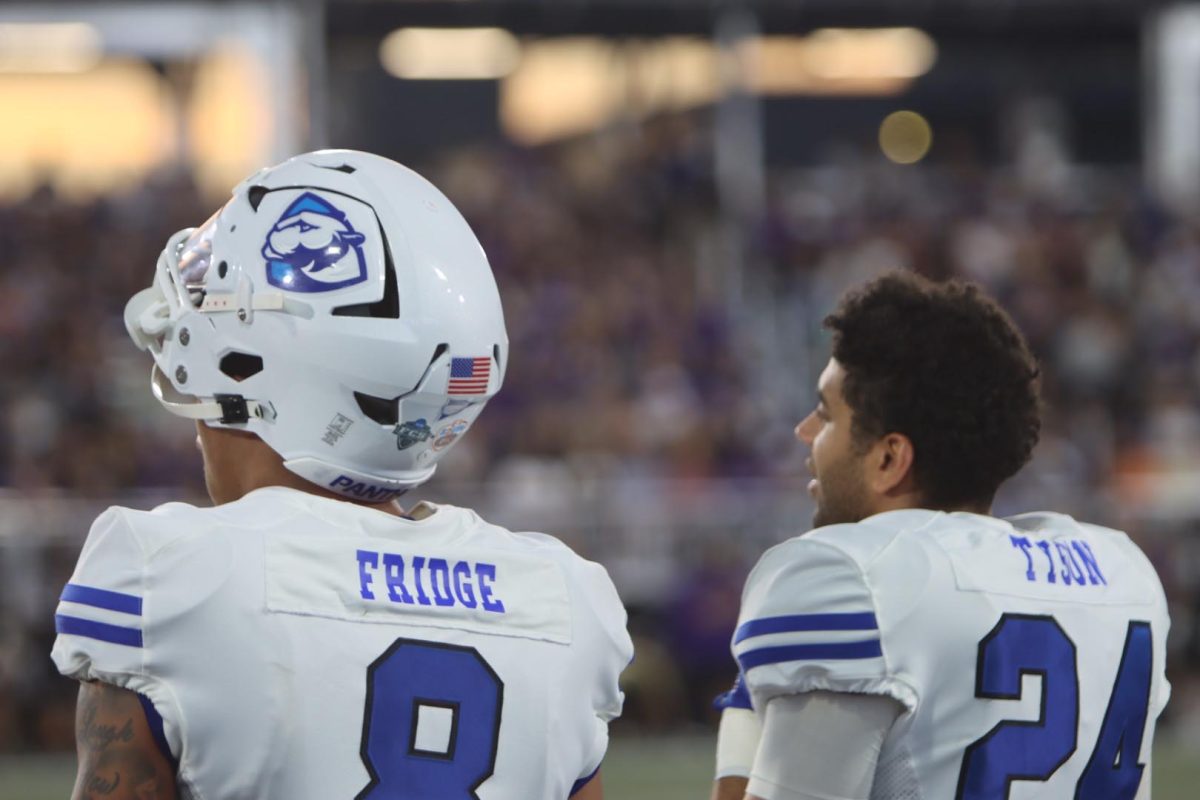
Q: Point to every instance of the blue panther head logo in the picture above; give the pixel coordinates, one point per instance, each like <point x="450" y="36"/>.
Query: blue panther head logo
<point x="314" y="248"/>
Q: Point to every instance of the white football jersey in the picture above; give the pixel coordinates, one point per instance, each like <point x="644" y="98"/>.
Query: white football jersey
<point x="1028" y="653"/>
<point x="300" y="647"/>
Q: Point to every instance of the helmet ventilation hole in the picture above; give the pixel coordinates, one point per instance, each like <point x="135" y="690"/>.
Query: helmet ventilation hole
<point x="383" y="410"/>
<point x="386" y="410"/>
<point x="255" y="195"/>
<point x="240" y="366"/>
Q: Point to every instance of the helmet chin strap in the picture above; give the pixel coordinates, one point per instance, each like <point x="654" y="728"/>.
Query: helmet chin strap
<point x="224" y="408"/>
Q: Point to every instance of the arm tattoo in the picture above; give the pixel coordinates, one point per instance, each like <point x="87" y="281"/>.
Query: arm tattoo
<point x="96" y="784"/>
<point x="118" y="759"/>
<point x="98" y="736"/>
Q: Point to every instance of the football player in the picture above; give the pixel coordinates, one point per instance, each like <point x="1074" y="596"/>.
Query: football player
<point x="334" y="329"/>
<point x="912" y="646"/>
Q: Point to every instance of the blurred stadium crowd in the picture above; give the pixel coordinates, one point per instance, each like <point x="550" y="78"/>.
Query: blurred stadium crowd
<point x="633" y="419"/>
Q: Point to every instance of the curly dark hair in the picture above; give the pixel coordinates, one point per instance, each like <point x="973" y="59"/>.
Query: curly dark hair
<point x="944" y="365"/>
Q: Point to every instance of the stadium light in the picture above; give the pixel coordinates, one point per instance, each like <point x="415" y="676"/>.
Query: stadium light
<point x="564" y="86"/>
<point x="571" y="85"/>
<point x="840" y="61"/>
<point x="60" y="47"/>
<point x="449" y="53"/>
<point x="86" y="133"/>
<point x="848" y="53"/>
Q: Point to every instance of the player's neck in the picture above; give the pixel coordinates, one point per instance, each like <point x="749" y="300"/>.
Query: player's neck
<point x="237" y="464"/>
<point x="984" y="509"/>
<point x="899" y="502"/>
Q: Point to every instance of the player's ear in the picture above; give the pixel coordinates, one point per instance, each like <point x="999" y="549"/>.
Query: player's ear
<point x="891" y="465"/>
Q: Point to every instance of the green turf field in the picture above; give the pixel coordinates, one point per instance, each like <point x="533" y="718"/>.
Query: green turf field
<point x="671" y="768"/>
<point x="680" y="769"/>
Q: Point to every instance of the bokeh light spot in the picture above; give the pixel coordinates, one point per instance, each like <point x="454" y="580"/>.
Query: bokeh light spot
<point x="905" y="137"/>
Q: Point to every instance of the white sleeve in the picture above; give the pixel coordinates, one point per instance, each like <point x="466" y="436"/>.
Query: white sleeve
<point x="99" y="615"/>
<point x="821" y="746"/>
<point x="808" y="623"/>
<point x="103" y="634"/>
<point x="738" y="733"/>
<point x="737" y="742"/>
<point x="607" y="653"/>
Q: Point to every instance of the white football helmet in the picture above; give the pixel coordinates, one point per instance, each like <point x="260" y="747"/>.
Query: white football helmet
<point x="339" y="307"/>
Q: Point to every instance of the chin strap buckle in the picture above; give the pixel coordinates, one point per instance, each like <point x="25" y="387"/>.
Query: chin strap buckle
<point x="233" y="408"/>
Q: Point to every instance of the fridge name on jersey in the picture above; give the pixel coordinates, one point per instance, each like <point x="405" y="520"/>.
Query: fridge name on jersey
<point x="378" y="580"/>
<point x="463" y="583"/>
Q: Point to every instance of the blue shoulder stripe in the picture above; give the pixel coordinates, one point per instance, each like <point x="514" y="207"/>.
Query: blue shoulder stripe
<point x="102" y="598"/>
<point x="130" y="637"/>
<point x="843" y="651"/>
<point x="851" y="621"/>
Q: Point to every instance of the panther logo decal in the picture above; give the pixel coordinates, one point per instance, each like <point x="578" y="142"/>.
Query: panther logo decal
<point x="314" y="248"/>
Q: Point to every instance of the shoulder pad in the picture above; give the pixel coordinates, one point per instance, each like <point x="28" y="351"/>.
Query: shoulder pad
<point x="808" y="623"/>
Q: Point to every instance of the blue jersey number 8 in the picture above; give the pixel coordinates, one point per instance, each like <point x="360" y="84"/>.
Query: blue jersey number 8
<point x="431" y="723"/>
<point x="1022" y="645"/>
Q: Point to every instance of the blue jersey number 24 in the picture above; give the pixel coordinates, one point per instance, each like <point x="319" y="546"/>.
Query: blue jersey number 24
<point x="1018" y="750"/>
<point x="431" y="723"/>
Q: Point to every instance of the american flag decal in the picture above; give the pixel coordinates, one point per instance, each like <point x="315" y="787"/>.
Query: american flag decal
<point x="469" y="375"/>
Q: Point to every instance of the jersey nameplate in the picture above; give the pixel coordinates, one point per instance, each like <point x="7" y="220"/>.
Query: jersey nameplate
<point x="384" y="581"/>
<point x="1076" y="569"/>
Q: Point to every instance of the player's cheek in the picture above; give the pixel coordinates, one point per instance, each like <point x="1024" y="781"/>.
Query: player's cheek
<point x="821" y="443"/>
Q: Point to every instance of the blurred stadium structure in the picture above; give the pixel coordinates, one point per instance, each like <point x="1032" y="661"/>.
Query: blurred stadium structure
<point x="672" y="194"/>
